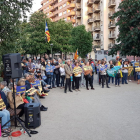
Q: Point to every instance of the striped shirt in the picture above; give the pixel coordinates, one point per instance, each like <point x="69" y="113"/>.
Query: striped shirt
<point x="87" y="68"/>
<point x="2" y="104"/>
<point x="76" y="71"/>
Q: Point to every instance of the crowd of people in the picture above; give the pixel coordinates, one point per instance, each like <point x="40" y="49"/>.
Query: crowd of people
<point x="66" y="74"/>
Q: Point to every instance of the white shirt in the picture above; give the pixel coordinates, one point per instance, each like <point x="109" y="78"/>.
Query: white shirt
<point x="125" y="70"/>
<point x="62" y="71"/>
<point x="38" y="66"/>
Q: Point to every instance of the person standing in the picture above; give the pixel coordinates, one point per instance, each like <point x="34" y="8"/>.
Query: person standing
<point x="110" y="67"/>
<point x="125" y="72"/>
<point x="117" y="77"/>
<point x="62" y="75"/>
<point x="49" y="73"/>
<point x="82" y="79"/>
<point x="88" y="73"/>
<point x="77" y="74"/>
<point x="91" y="63"/>
<point x="102" y="70"/>
<point x="30" y="66"/>
<point x="68" y="71"/>
<point x="98" y="73"/>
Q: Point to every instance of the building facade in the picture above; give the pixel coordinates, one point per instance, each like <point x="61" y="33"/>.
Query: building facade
<point x="94" y="14"/>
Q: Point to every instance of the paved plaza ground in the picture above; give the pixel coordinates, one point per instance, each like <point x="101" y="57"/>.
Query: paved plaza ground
<point x="102" y="114"/>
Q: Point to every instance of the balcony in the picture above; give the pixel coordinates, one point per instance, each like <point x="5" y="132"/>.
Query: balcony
<point x="90" y="2"/>
<point x="78" y="7"/>
<point x="71" y="6"/>
<point x="97" y="46"/>
<point x="111" y="36"/>
<point x="78" y="16"/>
<point x="71" y="20"/>
<point x="97" y="18"/>
<point x="90" y="30"/>
<point x="111" y="4"/>
<point x="111" y="45"/>
<point x="90" y="11"/>
<point x="77" y="24"/>
<point x="78" y="1"/>
<point x="110" y="15"/>
<point x="72" y="13"/>
<point x="90" y="20"/>
<point x="96" y="9"/>
<point x="96" y="1"/>
<point x="97" y="37"/>
<point x="111" y="25"/>
<point x="97" y="28"/>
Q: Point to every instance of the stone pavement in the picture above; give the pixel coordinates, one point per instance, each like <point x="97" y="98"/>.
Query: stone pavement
<point x="102" y="114"/>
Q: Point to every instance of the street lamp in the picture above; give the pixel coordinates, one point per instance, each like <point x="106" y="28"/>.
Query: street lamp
<point x="51" y="49"/>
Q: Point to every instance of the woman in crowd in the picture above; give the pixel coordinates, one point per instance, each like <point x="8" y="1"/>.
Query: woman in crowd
<point x="4" y="114"/>
<point x="49" y="73"/>
<point x="82" y="79"/>
<point x="62" y="75"/>
<point x="117" y="77"/>
<point x="98" y="73"/>
<point x="125" y="72"/>
<point x="88" y="73"/>
<point x="18" y="98"/>
<point x="110" y="67"/>
<point x="103" y="73"/>
<point x="77" y="70"/>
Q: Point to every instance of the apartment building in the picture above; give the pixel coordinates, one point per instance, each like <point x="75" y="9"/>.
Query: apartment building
<point x="59" y="9"/>
<point x="94" y="14"/>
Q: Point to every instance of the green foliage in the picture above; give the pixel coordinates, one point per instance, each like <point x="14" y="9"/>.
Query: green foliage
<point x="11" y="11"/>
<point x="33" y="34"/>
<point x="128" y="20"/>
<point x="81" y="40"/>
<point x="60" y="33"/>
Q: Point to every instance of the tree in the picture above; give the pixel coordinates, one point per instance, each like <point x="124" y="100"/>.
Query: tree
<point x="33" y="34"/>
<point x="11" y="11"/>
<point x="60" y="33"/>
<point x="81" y="40"/>
<point x="128" y="20"/>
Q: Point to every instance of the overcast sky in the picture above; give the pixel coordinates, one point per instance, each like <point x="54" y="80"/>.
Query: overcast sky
<point x="35" y="7"/>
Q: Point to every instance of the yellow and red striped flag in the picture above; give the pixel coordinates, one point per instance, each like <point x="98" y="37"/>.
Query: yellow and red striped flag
<point x="76" y="55"/>
<point x="47" y="32"/>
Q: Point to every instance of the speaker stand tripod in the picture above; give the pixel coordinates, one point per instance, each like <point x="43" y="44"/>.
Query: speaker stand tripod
<point x="15" y="117"/>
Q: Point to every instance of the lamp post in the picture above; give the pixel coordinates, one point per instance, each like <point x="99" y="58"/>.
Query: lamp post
<point x="51" y="49"/>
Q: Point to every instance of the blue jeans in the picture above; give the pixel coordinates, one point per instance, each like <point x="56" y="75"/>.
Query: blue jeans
<point x="111" y="78"/>
<point x="24" y="71"/>
<point x="53" y="80"/>
<point x="49" y="80"/>
<point x="62" y="80"/>
<point x="57" y="79"/>
<point x="5" y="115"/>
<point x="117" y="79"/>
<point x="124" y="79"/>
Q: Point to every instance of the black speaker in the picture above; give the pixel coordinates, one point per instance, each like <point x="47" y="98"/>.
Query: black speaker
<point x="12" y="65"/>
<point x="32" y="115"/>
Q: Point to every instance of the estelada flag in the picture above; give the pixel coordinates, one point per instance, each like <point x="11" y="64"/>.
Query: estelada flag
<point x="47" y="32"/>
<point x="76" y="55"/>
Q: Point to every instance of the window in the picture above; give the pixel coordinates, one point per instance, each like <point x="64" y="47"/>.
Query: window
<point x="60" y="0"/>
<point x="68" y="11"/>
<point x="60" y="14"/>
<point x="65" y="19"/>
<point x="47" y="8"/>
<point x="47" y="14"/>
<point x="47" y="1"/>
<point x="60" y="7"/>
<point x="64" y="5"/>
<point x="64" y="12"/>
<point x="44" y="9"/>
